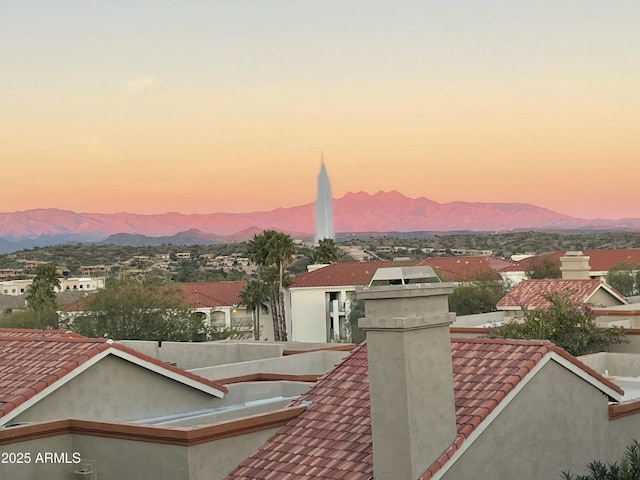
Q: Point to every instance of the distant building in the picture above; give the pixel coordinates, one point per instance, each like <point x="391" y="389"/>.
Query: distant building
<point x="84" y="284"/>
<point x="320" y="299"/>
<point x="598" y="262"/>
<point x="576" y="283"/>
<point x="220" y="303"/>
<point x="94" y="270"/>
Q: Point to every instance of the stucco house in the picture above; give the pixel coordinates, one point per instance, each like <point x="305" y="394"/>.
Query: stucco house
<point x="53" y="374"/>
<point x="530" y="294"/>
<point x="320" y="300"/>
<point x="109" y="411"/>
<point x="412" y="403"/>
<point x="220" y="303"/>
<point x="598" y="264"/>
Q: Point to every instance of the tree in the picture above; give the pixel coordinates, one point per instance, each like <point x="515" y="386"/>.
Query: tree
<point x="272" y="249"/>
<point x="254" y="297"/>
<point x="627" y="469"/>
<point x="131" y="310"/>
<point x="625" y="278"/>
<point x="41" y="296"/>
<point x="543" y="266"/>
<point x="356" y="312"/>
<point x="19" y="319"/>
<point x="326" y="251"/>
<point x="568" y="324"/>
<point x="477" y="296"/>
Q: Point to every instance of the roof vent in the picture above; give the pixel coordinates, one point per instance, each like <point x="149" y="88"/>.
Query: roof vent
<point x="403" y="276"/>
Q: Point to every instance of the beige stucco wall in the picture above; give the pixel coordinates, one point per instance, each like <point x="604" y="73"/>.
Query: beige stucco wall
<point x="622" y="364"/>
<point x="115" y="389"/>
<point x="558" y="422"/>
<point x="213" y="461"/>
<point x="300" y="364"/>
<point x="34" y="469"/>
<point x="480" y="319"/>
<point x="632" y="346"/>
<point x="134" y="460"/>
<point x="602" y="297"/>
<point x="191" y="355"/>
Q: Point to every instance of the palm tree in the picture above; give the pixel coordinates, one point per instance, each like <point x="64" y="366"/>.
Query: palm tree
<point x="273" y="249"/>
<point x="254" y="297"/>
<point x="326" y="251"/>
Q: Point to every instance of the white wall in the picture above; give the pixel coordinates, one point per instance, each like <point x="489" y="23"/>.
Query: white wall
<point x="309" y="311"/>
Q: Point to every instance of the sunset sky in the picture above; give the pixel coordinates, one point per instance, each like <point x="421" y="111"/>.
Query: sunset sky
<point x="210" y="106"/>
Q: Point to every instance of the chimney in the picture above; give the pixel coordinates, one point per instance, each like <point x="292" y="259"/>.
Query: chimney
<point x="410" y="374"/>
<point x="575" y="266"/>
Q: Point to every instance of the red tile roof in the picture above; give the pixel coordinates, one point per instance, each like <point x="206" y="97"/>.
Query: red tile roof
<point x="599" y="260"/>
<point x="340" y="274"/>
<point x="197" y="294"/>
<point x="453" y="269"/>
<point x="213" y="294"/>
<point x="36" y="334"/>
<point x="332" y="438"/>
<point x="529" y="293"/>
<point x="460" y="269"/>
<point x="32" y="360"/>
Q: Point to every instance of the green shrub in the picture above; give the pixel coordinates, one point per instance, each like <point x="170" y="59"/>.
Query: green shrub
<point x="628" y="468"/>
<point x="568" y="324"/>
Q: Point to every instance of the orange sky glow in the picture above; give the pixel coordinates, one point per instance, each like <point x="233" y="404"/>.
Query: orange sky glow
<point x="200" y="107"/>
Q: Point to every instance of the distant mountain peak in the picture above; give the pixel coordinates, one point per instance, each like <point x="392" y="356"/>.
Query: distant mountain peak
<point x="354" y="212"/>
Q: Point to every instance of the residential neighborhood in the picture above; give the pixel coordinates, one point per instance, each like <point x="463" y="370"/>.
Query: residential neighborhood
<point x="415" y="367"/>
<point x="420" y="399"/>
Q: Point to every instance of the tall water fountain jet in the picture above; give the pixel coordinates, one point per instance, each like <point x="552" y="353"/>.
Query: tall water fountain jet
<point x="324" y="206"/>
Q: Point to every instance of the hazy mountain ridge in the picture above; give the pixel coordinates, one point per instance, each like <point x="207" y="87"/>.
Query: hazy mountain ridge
<point x="354" y="212"/>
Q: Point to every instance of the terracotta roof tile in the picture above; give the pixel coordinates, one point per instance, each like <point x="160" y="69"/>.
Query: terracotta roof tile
<point x="34" y="333"/>
<point x="339" y="274"/>
<point x="454" y="269"/>
<point x="31" y="360"/>
<point x="332" y="437"/>
<point x="213" y="294"/>
<point x="463" y="268"/>
<point x="197" y="294"/>
<point x="529" y="293"/>
<point x="599" y="260"/>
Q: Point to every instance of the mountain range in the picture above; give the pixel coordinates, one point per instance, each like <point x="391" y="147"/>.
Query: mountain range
<point x="354" y="212"/>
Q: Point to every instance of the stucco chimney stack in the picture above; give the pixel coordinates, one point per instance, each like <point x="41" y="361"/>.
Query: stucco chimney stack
<point x="575" y="266"/>
<point x="410" y="375"/>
